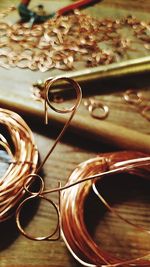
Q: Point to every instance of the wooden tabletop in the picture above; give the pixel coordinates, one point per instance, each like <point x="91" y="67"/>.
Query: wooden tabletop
<point x="78" y="145"/>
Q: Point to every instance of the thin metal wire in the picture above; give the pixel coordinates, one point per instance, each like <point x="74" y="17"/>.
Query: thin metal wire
<point x="24" y="159"/>
<point x="76" y="190"/>
<point x="70" y="219"/>
<point x="64" y="41"/>
<point x="32" y="177"/>
<point x="74" y="231"/>
<point x="48" y="85"/>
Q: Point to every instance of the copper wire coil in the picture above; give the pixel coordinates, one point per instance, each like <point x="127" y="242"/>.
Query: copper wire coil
<point x="74" y="230"/>
<point x="24" y="159"/>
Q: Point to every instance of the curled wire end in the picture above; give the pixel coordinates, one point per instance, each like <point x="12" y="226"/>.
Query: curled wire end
<point x="34" y="176"/>
<point x="55" y="235"/>
<point x="48" y="86"/>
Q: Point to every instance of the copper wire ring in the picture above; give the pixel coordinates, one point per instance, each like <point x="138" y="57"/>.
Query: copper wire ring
<point x="74" y="231"/>
<point x="132" y="97"/>
<point x="52" y="36"/>
<point x="100" y="106"/>
<point x="92" y="104"/>
<point x="40" y="238"/>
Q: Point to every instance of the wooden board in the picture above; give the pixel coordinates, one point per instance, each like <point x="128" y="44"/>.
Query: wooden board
<point x="87" y="138"/>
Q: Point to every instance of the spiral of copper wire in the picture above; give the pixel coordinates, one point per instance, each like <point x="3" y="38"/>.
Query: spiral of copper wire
<point x="74" y="230"/>
<point x="73" y="195"/>
<point x="24" y="159"/>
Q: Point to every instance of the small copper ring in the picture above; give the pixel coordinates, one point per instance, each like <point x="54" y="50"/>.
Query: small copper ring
<point x="132" y="97"/>
<point x="100" y="106"/>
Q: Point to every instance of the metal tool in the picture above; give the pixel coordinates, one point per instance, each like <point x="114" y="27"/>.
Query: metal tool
<point x="29" y="16"/>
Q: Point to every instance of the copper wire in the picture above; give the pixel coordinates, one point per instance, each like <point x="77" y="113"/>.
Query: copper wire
<point x="78" y="38"/>
<point x="72" y="196"/>
<point x="31" y="177"/>
<point x="48" y="85"/>
<point x="24" y="159"/>
<point x="74" y="231"/>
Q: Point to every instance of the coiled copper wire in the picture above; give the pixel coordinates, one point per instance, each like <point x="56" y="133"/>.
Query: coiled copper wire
<point x="70" y="212"/>
<point x="74" y="230"/>
<point x="24" y="159"/>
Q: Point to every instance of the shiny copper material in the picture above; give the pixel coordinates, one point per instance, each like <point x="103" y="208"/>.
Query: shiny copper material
<point x="95" y="104"/>
<point x="73" y="228"/>
<point x="72" y="110"/>
<point x="50" y="237"/>
<point x="72" y="196"/>
<point x="132" y="97"/>
<point x="24" y="160"/>
<point x="68" y="40"/>
<point x="32" y="176"/>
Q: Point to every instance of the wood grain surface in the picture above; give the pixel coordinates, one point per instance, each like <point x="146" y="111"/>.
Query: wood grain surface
<point x="128" y="194"/>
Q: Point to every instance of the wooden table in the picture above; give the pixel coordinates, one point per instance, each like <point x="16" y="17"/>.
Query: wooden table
<point x="74" y="148"/>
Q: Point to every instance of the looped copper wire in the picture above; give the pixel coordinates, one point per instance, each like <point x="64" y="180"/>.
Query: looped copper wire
<point x="31" y="177"/>
<point x="72" y="110"/>
<point x="29" y="236"/>
<point x="71" y="221"/>
<point x="61" y="33"/>
<point x="74" y="231"/>
<point x="24" y="160"/>
<point x="29" y="180"/>
<point x="75" y="85"/>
